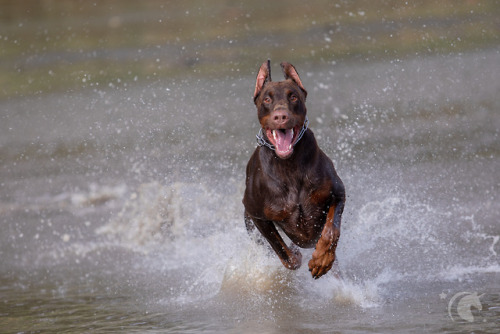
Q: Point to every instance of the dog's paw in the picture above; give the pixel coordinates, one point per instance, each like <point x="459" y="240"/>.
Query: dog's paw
<point x="324" y="254"/>
<point x="294" y="260"/>
<point x="321" y="263"/>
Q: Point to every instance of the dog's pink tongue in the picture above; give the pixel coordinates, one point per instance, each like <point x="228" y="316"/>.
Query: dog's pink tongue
<point x="283" y="141"/>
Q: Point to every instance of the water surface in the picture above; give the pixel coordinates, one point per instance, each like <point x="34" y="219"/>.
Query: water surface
<point x="121" y="207"/>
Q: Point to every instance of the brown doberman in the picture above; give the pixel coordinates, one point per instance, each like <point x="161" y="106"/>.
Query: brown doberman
<point x="290" y="182"/>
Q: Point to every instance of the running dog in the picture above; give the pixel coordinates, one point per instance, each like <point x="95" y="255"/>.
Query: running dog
<point x="290" y="182"/>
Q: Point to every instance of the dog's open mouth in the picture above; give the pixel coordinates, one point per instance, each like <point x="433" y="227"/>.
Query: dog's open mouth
<point x="283" y="140"/>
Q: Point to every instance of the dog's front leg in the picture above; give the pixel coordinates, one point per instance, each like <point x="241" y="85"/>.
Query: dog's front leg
<point x="324" y="254"/>
<point x="289" y="256"/>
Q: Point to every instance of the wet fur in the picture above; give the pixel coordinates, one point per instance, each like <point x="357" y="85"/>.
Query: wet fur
<point x="300" y="193"/>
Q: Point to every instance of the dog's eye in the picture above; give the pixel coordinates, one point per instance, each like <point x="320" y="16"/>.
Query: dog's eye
<point x="267" y="100"/>
<point x="293" y="98"/>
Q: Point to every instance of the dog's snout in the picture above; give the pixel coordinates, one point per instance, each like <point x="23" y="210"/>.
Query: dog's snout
<point x="280" y="116"/>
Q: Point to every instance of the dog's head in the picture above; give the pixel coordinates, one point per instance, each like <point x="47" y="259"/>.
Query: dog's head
<point x="280" y="107"/>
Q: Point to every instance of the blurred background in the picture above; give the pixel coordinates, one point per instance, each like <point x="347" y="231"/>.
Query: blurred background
<point x="63" y="45"/>
<point x="126" y="126"/>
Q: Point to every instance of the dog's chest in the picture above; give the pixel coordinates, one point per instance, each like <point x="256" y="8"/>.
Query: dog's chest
<point x="293" y="203"/>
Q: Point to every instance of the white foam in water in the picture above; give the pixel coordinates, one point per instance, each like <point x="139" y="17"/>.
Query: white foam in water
<point x="457" y="273"/>
<point x="147" y="217"/>
<point x="97" y="194"/>
<point x="401" y="238"/>
<point x="252" y="270"/>
<point x="185" y="234"/>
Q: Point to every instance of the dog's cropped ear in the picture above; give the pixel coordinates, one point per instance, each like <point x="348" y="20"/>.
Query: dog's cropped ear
<point x="263" y="76"/>
<point x="291" y="73"/>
